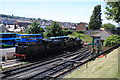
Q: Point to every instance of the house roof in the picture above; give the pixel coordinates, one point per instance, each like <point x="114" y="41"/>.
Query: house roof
<point x="21" y="21"/>
<point x="104" y="34"/>
<point x="11" y="27"/>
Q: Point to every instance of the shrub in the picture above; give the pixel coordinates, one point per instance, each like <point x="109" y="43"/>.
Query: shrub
<point x="80" y="31"/>
<point x="112" y="41"/>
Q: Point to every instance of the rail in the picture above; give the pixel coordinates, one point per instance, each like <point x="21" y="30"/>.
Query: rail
<point x="104" y="52"/>
<point x="19" y="71"/>
<point x="65" y="67"/>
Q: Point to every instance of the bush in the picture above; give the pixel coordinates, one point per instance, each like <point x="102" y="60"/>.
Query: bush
<point x="80" y="31"/>
<point x="112" y="41"/>
<point x="66" y="31"/>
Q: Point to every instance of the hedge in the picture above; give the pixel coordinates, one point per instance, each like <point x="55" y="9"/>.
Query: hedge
<point x="112" y="41"/>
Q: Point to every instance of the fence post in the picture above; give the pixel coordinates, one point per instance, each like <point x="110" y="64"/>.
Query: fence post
<point x="87" y="65"/>
<point x="5" y="57"/>
<point x="105" y="55"/>
<point x="0" y="60"/>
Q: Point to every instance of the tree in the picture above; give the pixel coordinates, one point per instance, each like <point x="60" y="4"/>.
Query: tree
<point x="113" y="11"/>
<point x="48" y="32"/>
<point x="108" y="26"/>
<point x="54" y="30"/>
<point x="34" y="29"/>
<point x="95" y="19"/>
<point x="66" y="31"/>
<point x="41" y="30"/>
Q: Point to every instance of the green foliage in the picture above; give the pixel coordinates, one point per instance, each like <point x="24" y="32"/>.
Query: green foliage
<point x="108" y="26"/>
<point x="82" y="36"/>
<point x="112" y="41"/>
<point x="41" y="30"/>
<point x="99" y="68"/>
<point x="80" y="31"/>
<point x="48" y="32"/>
<point x="95" y="19"/>
<point x="54" y="30"/>
<point x="66" y="31"/>
<point x="113" y="11"/>
<point x="34" y="29"/>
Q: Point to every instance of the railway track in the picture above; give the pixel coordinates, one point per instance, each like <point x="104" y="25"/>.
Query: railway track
<point x="55" y="76"/>
<point x="59" y="69"/>
<point x="37" y="61"/>
<point x="47" y="68"/>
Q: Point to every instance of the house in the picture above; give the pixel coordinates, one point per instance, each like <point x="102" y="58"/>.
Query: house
<point x="14" y="28"/>
<point x="22" y="23"/>
<point x="10" y="27"/>
<point x="3" y="29"/>
<point x="8" y="21"/>
<point x="82" y="26"/>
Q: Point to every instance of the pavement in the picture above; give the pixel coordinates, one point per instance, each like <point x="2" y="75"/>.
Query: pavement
<point x="8" y="52"/>
<point x="11" y="63"/>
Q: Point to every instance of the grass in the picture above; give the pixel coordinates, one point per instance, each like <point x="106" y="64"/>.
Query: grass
<point x="100" y="68"/>
<point x="84" y="37"/>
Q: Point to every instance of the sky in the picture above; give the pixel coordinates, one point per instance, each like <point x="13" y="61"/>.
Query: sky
<point x="57" y="10"/>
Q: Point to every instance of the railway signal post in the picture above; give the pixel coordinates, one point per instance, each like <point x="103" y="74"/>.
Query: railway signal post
<point x="96" y="45"/>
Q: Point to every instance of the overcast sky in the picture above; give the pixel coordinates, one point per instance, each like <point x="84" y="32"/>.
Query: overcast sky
<point x="58" y="10"/>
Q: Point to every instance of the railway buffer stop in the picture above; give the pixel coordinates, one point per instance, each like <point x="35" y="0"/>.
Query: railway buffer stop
<point x="96" y="45"/>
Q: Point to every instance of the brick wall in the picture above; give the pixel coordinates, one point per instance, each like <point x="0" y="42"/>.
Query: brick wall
<point x="81" y="27"/>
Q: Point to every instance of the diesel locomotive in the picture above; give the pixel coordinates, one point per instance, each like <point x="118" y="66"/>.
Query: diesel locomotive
<point x="44" y="47"/>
